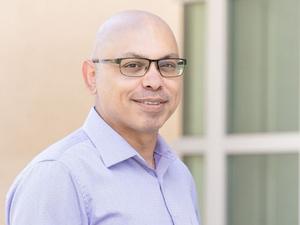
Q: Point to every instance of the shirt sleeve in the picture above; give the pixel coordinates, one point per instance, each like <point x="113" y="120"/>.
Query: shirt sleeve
<point x="47" y="195"/>
<point x="195" y="199"/>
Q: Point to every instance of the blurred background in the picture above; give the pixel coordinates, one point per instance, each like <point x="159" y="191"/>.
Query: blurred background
<point x="237" y="128"/>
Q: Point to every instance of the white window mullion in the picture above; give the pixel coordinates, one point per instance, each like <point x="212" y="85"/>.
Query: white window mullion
<point x="215" y="98"/>
<point x="298" y="187"/>
<point x="299" y="128"/>
<point x="189" y="145"/>
<point x="263" y="143"/>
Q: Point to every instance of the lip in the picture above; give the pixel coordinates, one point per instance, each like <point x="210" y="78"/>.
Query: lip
<point x="151" y="104"/>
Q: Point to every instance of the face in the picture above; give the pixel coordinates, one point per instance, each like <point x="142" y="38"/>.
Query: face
<point x="137" y="105"/>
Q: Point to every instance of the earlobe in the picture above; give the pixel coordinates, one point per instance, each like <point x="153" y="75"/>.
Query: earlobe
<point x="89" y="75"/>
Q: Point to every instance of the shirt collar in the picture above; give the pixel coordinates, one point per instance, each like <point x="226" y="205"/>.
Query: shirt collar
<point x="113" y="148"/>
<point x="163" y="149"/>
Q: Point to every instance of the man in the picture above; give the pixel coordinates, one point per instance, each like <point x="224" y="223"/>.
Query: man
<point x="116" y="169"/>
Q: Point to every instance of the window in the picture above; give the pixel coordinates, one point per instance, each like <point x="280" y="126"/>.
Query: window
<point x="242" y="110"/>
<point x="194" y="16"/>
<point x="264" y="66"/>
<point x="263" y="189"/>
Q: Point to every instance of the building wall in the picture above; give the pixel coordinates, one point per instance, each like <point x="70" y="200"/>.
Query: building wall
<point x="43" y="98"/>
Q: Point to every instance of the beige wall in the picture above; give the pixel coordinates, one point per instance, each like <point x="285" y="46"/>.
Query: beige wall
<point x="42" y="45"/>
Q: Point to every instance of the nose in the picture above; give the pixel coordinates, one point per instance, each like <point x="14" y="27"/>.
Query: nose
<point x="152" y="79"/>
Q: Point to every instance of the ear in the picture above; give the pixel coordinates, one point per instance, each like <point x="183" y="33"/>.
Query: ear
<point x="89" y="75"/>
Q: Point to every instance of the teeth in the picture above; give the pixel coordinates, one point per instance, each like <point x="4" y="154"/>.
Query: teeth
<point x="151" y="103"/>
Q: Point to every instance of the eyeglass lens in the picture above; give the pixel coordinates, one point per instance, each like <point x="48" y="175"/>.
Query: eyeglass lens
<point x="138" y="67"/>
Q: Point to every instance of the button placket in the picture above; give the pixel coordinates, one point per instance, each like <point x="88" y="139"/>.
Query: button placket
<point x="162" y="191"/>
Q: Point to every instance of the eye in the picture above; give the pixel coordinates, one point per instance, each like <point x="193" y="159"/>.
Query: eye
<point x="133" y="65"/>
<point x="168" y="65"/>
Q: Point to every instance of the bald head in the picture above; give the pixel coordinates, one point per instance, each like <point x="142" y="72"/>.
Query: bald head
<point x="131" y="26"/>
<point x="133" y="104"/>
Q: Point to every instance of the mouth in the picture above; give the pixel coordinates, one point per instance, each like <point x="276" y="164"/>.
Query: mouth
<point x="151" y="104"/>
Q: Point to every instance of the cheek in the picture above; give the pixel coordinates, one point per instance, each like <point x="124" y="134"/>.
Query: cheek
<point x="105" y="92"/>
<point x="115" y="92"/>
<point x="175" y="89"/>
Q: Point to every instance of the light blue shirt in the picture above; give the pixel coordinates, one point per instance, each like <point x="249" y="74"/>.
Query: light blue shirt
<point x="94" y="177"/>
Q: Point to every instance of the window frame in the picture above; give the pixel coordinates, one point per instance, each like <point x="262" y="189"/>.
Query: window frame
<point x="215" y="145"/>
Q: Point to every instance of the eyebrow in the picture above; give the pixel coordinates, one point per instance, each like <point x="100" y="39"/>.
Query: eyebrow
<point x="135" y="55"/>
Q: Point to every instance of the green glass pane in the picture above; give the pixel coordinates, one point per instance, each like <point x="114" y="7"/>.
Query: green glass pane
<point x="194" y="14"/>
<point x="195" y="165"/>
<point x="264" y="64"/>
<point x="263" y="189"/>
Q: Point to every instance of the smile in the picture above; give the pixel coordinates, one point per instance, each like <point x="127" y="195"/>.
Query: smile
<point x="151" y="105"/>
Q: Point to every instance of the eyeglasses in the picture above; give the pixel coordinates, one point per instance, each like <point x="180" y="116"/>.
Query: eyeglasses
<point x="138" y="67"/>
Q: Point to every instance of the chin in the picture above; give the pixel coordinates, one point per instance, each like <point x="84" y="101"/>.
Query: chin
<point x="149" y="124"/>
<point x="151" y="127"/>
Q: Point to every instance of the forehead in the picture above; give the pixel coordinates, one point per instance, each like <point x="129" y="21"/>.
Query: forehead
<point x="148" y="37"/>
<point x="143" y="42"/>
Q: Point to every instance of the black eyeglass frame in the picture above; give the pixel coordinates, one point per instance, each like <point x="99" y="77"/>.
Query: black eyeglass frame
<point x="119" y="60"/>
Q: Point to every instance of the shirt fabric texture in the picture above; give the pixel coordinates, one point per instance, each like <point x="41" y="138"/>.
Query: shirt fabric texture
<point x="94" y="177"/>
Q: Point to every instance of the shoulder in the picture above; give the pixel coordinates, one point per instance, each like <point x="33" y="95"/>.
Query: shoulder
<point x="50" y="181"/>
<point x="69" y="151"/>
<point x="46" y="193"/>
<point x="73" y="143"/>
<point x="177" y="168"/>
<point x="181" y="169"/>
<point x="58" y="161"/>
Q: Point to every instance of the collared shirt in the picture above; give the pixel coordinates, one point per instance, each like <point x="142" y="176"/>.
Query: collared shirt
<point x="94" y="177"/>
